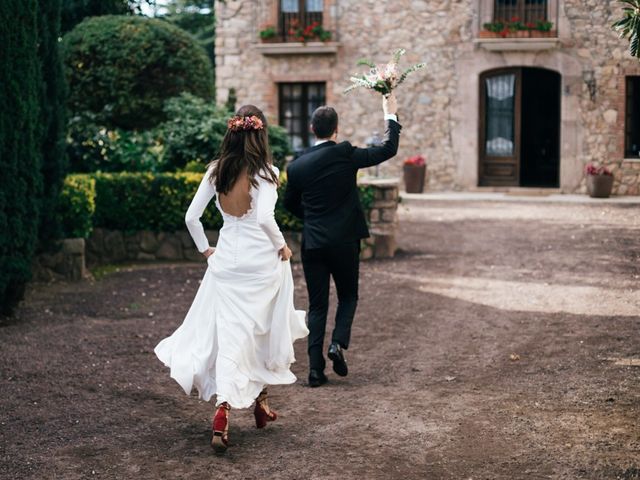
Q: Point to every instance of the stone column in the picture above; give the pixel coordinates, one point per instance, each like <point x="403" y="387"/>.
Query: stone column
<point x="383" y="218"/>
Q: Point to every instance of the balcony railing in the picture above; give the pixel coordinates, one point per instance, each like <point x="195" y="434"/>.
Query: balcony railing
<point x="300" y="27"/>
<point x="518" y="19"/>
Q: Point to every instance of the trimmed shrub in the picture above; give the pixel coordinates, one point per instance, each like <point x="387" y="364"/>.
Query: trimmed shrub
<point x="53" y="119"/>
<point x="124" y="67"/>
<point x="20" y="142"/>
<point x="77" y="206"/>
<point x="142" y="201"/>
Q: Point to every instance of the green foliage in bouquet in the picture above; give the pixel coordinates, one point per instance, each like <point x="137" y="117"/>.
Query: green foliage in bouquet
<point x="629" y="25"/>
<point x="123" y="68"/>
<point x="77" y="206"/>
<point x="383" y="78"/>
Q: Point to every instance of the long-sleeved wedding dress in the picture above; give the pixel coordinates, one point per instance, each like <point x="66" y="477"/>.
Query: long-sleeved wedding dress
<point x="238" y="334"/>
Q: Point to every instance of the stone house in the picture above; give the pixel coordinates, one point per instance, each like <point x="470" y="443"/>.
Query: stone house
<point x="524" y="104"/>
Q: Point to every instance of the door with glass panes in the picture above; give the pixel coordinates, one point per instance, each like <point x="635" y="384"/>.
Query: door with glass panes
<point x="520" y="128"/>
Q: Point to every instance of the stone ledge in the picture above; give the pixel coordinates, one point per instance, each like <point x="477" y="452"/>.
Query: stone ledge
<point x="298" y="48"/>
<point x="517" y="44"/>
<point x="383" y="183"/>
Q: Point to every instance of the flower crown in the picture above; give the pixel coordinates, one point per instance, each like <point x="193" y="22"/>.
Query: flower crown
<point x="238" y="123"/>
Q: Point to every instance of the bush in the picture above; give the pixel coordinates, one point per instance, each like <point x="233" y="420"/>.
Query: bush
<point x="92" y="147"/>
<point x="195" y="129"/>
<point x="77" y="206"/>
<point x="143" y="201"/>
<point x="20" y="142"/>
<point x="124" y="67"/>
<point x="192" y="134"/>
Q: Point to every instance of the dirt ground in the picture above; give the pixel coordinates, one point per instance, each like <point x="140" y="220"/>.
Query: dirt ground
<point x="486" y="350"/>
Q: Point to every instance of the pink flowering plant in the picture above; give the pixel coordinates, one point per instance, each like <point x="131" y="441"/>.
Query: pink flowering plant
<point x="416" y="161"/>
<point x="593" y="169"/>
<point x="383" y="78"/>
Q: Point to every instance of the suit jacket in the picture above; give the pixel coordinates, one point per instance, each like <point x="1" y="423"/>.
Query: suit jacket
<point x="322" y="189"/>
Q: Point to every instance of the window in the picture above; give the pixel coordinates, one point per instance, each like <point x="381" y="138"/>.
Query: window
<point x="296" y="15"/>
<point x="632" y="118"/>
<point x="297" y="103"/>
<point x="526" y="10"/>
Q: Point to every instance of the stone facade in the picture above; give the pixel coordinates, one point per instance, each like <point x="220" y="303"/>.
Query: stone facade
<point x="439" y="106"/>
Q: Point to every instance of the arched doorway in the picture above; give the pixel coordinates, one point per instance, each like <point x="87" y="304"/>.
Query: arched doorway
<point x="520" y="127"/>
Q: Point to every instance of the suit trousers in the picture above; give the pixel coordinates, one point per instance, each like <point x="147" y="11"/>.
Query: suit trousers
<point x="342" y="262"/>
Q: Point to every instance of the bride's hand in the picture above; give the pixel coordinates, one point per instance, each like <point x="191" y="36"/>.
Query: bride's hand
<point x="285" y="253"/>
<point x="208" y="252"/>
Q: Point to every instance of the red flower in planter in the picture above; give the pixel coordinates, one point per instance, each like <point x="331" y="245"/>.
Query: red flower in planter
<point x="416" y="161"/>
<point x="592" y="169"/>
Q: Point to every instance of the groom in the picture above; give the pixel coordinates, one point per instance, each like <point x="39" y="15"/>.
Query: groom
<point x="322" y="190"/>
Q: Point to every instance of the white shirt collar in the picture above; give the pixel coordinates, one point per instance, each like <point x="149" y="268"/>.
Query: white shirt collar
<point x="319" y="142"/>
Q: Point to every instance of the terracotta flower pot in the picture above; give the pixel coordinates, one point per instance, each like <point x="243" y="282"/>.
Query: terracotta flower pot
<point x="599" y="186"/>
<point x="414" y="176"/>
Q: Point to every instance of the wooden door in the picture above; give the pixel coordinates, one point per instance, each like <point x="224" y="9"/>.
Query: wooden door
<point x="500" y="121"/>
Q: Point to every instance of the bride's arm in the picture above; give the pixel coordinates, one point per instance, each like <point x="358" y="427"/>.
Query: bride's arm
<point x="203" y="196"/>
<point x="265" y="205"/>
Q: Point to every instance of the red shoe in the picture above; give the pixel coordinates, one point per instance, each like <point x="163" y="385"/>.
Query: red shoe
<point x="220" y="439"/>
<point x="262" y="412"/>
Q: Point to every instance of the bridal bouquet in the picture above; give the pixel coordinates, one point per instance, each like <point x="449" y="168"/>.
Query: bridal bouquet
<point x="383" y="78"/>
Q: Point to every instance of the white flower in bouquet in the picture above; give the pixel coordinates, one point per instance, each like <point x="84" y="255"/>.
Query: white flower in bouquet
<point x="383" y="78"/>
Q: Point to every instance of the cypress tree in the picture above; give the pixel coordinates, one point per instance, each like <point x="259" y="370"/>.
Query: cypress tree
<point x="53" y="118"/>
<point x="20" y="143"/>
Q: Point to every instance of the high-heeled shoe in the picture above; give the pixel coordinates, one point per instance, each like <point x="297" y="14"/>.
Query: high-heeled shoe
<point x="262" y="412"/>
<point x="220" y="438"/>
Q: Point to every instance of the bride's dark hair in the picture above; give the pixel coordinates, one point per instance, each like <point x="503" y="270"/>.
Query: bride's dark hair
<point x="244" y="150"/>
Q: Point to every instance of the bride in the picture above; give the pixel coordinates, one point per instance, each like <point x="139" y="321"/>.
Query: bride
<point x="238" y="335"/>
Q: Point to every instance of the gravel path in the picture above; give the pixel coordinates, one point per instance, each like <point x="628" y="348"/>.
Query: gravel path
<point x="499" y="344"/>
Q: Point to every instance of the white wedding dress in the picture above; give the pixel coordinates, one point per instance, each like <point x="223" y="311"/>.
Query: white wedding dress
<point x="238" y="334"/>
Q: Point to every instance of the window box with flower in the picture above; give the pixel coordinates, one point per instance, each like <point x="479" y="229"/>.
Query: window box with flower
<point x="516" y="28"/>
<point x="599" y="181"/>
<point x="414" y="172"/>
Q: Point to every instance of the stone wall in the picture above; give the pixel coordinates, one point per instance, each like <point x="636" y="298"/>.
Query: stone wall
<point x="65" y="262"/>
<point x="439" y="105"/>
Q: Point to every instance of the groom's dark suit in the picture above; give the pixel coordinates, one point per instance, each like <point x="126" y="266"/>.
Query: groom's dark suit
<point x="322" y="190"/>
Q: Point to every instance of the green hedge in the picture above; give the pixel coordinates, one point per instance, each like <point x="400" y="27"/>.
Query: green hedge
<point x="144" y="201"/>
<point x="77" y="205"/>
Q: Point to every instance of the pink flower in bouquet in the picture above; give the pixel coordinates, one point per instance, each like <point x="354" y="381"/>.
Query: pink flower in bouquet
<point x="416" y="161"/>
<point x="383" y="78"/>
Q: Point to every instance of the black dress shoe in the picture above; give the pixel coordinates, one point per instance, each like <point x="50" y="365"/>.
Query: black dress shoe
<point x="339" y="363"/>
<point x="316" y="378"/>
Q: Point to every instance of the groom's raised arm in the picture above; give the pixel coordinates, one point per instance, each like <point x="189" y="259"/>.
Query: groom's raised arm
<point x="368" y="157"/>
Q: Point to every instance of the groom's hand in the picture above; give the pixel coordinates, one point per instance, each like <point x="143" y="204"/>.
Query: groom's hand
<point x="390" y="104"/>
